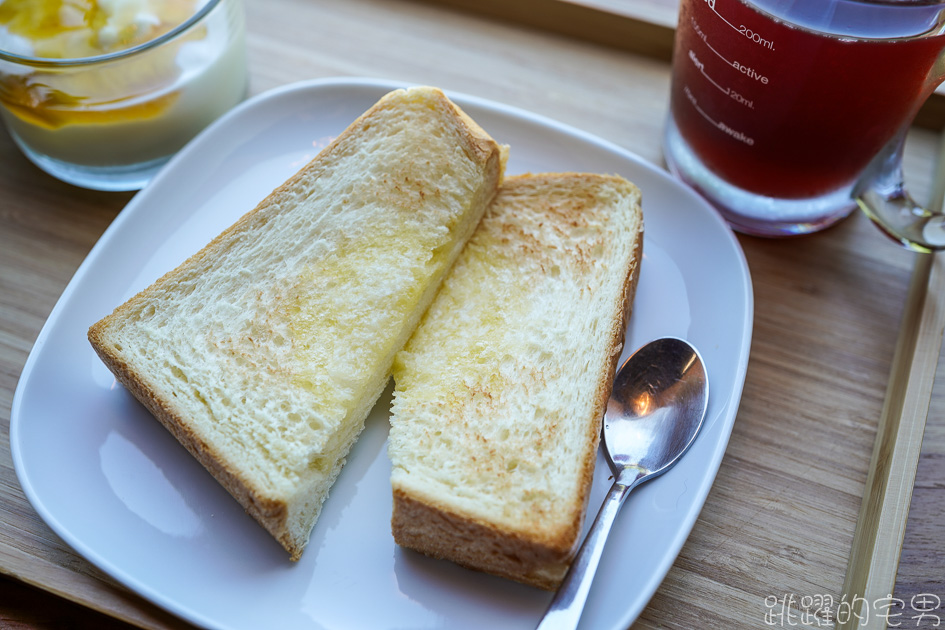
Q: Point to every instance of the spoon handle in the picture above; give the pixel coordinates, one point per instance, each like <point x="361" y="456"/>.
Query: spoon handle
<point x="568" y="603"/>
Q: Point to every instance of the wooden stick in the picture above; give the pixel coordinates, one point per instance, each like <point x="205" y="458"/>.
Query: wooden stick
<point x="877" y="543"/>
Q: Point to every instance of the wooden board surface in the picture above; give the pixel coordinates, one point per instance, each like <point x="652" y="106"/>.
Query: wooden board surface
<point x="779" y="522"/>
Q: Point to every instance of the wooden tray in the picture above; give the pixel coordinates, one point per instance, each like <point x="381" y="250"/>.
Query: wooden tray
<point x="847" y="326"/>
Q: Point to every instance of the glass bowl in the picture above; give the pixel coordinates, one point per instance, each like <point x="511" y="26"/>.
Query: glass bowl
<point x="109" y="121"/>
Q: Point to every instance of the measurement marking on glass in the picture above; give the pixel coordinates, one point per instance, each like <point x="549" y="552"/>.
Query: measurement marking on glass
<point x="705" y="40"/>
<point x="741" y="29"/>
<point x="701" y="66"/>
<point x="725" y="90"/>
<point x="746" y="70"/>
<point x="721" y="126"/>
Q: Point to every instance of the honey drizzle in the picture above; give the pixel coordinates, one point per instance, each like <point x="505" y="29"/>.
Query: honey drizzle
<point x="60" y="29"/>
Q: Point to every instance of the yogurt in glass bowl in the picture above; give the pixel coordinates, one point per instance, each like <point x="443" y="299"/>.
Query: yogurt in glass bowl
<point x="101" y="93"/>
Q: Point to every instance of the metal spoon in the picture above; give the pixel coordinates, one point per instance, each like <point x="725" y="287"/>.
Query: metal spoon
<point x="655" y="410"/>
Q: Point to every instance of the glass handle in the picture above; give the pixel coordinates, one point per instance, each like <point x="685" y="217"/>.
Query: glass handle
<point x="881" y="194"/>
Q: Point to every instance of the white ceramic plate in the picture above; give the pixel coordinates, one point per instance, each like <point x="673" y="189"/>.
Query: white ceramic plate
<point x="118" y="488"/>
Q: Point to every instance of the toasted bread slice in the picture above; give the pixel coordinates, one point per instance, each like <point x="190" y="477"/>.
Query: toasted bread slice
<point x="265" y="351"/>
<point x="500" y="392"/>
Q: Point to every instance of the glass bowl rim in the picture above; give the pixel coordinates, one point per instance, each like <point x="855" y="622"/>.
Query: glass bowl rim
<point x="53" y="62"/>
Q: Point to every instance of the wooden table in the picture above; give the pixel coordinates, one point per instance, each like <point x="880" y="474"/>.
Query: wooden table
<point x="838" y="317"/>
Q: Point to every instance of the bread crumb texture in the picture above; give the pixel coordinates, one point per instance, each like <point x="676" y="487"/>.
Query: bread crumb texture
<point x="500" y="391"/>
<point x="271" y="345"/>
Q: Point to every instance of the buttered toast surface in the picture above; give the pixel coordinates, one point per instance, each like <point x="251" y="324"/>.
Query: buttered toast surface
<point x="264" y="352"/>
<point x="500" y="392"/>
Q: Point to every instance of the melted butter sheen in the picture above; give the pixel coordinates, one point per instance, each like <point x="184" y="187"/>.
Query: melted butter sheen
<point x="339" y="342"/>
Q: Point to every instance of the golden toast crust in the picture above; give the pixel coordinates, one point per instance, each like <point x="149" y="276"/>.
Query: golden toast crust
<point x="425" y="520"/>
<point x="272" y="512"/>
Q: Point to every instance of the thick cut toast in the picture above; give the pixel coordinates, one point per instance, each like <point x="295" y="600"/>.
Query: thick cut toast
<point x="265" y="351"/>
<point x="500" y="392"/>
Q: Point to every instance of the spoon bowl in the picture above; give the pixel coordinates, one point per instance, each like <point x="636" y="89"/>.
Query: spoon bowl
<point x="656" y="408"/>
<point x="653" y="416"/>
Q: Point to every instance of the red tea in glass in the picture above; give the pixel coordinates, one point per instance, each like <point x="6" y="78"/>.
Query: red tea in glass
<point x="778" y="108"/>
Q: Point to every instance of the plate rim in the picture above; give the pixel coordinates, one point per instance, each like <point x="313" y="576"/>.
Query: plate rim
<point x="128" y="213"/>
